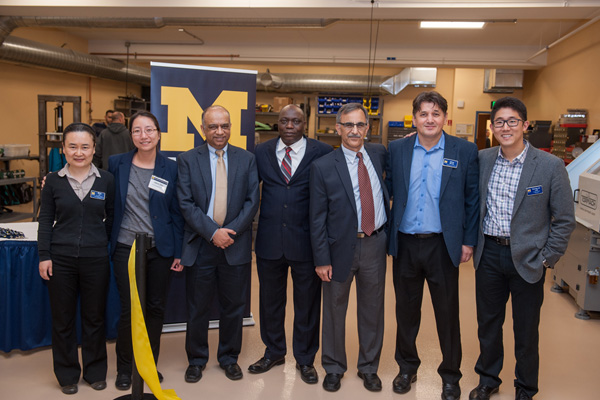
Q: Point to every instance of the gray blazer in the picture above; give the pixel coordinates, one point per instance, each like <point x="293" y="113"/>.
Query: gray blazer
<point x="194" y="188"/>
<point x="542" y="223"/>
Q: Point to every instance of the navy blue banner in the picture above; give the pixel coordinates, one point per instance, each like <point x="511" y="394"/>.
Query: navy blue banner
<point x="180" y="93"/>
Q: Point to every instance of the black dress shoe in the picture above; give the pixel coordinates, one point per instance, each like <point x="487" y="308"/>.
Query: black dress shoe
<point x="482" y="392"/>
<point x="522" y="395"/>
<point x="402" y="382"/>
<point x="371" y="381"/>
<point x="233" y="371"/>
<point x="193" y="373"/>
<point x="308" y="373"/>
<point x="100" y="385"/>
<point x="264" y="364"/>
<point x="123" y="382"/>
<point x="69" y="389"/>
<point x="450" y="391"/>
<point x="331" y="383"/>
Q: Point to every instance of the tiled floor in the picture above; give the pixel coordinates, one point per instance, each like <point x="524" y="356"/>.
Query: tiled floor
<point x="570" y="356"/>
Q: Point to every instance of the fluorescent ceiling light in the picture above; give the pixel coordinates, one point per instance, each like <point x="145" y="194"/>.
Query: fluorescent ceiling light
<point x="452" y="24"/>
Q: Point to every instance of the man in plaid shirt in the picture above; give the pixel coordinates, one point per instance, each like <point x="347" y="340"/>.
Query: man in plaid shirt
<point x="526" y="218"/>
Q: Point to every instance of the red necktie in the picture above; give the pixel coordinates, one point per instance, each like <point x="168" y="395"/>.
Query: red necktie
<point x="366" y="197"/>
<point x="286" y="165"/>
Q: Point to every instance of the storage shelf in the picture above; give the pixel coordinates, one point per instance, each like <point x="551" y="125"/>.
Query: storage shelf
<point x="30" y="157"/>
<point x="16" y="216"/>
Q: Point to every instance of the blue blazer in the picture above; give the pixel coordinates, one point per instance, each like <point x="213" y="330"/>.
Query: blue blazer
<point x="333" y="215"/>
<point x="194" y="189"/>
<point x="167" y="220"/>
<point x="459" y="192"/>
<point x="283" y="228"/>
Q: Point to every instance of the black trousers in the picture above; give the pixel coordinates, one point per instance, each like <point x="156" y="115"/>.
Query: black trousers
<point x="158" y="271"/>
<point x="496" y="279"/>
<point x="230" y="284"/>
<point x="86" y="277"/>
<point x="419" y="260"/>
<point x="273" y="276"/>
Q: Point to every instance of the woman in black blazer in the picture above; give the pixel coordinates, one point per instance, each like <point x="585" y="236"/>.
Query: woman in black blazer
<point x="145" y="201"/>
<point x="74" y="227"/>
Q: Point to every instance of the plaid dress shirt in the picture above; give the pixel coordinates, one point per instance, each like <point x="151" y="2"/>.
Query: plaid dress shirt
<point x="502" y="189"/>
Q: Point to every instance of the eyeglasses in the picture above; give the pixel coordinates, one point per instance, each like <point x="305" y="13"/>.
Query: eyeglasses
<point x="147" y="131"/>
<point x="499" y="123"/>
<point x="361" y="126"/>
<point x="295" y="121"/>
<point x="215" y="127"/>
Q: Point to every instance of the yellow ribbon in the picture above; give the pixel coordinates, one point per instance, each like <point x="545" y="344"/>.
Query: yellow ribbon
<point x="144" y="360"/>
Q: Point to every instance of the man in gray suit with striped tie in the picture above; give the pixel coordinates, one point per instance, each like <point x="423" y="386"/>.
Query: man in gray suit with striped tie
<point x="526" y="211"/>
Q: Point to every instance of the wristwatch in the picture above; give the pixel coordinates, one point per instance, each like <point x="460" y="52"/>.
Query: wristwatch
<point x="545" y="263"/>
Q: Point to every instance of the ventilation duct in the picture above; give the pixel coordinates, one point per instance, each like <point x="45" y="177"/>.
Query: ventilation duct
<point x="27" y="52"/>
<point x="418" y="77"/>
<point x="502" y="80"/>
<point x="360" y="84"/>
<point x="23" y="51"/>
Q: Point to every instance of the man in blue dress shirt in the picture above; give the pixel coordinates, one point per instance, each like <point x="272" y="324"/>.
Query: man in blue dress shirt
<point x="433" y="181"/>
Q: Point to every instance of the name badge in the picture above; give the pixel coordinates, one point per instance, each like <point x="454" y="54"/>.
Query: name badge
<point x="450" y="163"/>
<point x="158" y="184"/>
<point x="97" y="195"/>
<point x="534" y="190"/>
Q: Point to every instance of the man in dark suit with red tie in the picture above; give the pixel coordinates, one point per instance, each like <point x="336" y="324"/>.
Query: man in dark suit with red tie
<point x="349" y="208"/>
<point x="283" y="242"/>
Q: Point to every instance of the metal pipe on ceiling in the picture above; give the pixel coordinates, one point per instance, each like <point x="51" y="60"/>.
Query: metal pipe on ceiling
<point x="24" y="51"/>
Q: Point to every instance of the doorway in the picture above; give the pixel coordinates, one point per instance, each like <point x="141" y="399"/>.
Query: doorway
<point x="482" y="122"/>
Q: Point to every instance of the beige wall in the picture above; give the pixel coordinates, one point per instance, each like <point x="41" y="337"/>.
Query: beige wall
<point x="468" y="87"/>
<point x="20" y="86"/>
<point x="570" y="80"/>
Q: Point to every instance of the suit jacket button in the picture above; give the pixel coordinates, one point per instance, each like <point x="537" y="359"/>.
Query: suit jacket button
<point x="285" y="206"/>
<point x="284" y="225"/>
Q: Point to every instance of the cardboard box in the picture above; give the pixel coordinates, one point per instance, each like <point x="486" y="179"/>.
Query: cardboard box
<point x="280" y="102"/>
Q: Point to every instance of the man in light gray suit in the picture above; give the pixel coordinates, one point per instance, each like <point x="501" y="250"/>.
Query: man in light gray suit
<point x="217" y="189"/>
<point x="526" y="211"/>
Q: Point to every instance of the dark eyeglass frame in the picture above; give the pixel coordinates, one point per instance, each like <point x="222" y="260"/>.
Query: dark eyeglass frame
<point x="513" y="122"/>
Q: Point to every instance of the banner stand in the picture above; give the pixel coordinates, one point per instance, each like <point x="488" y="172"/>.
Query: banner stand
<point x="137" y="383"/>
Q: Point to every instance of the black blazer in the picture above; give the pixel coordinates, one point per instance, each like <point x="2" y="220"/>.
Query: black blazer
<point x="333" y="215"/>
<point x="194" y="188"/>
<point x="167" y="220"/>
<point x="283" y="228"/>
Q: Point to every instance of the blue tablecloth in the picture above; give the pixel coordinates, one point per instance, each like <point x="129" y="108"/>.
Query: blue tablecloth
<point x="25" y="319"/>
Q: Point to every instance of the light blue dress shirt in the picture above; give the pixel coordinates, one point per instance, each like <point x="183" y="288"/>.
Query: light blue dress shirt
<point x="352" y="162"/>
<point x="213" y="174"/>
<point x="422" y="214"/>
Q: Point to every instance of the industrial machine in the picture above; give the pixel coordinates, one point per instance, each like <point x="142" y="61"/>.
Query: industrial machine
<point x="579" y="269"/>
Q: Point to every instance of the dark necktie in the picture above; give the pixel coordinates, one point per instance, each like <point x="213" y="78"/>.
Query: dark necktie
<point x="366" y="197"/>
<point x="286" y="165"/>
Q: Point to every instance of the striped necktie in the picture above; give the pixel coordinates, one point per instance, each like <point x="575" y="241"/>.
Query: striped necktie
<point x="366" y="197"/>
<point x="286" y="165"/>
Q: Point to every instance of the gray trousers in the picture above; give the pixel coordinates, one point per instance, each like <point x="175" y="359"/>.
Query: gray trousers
<point x="368" y="267"/>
